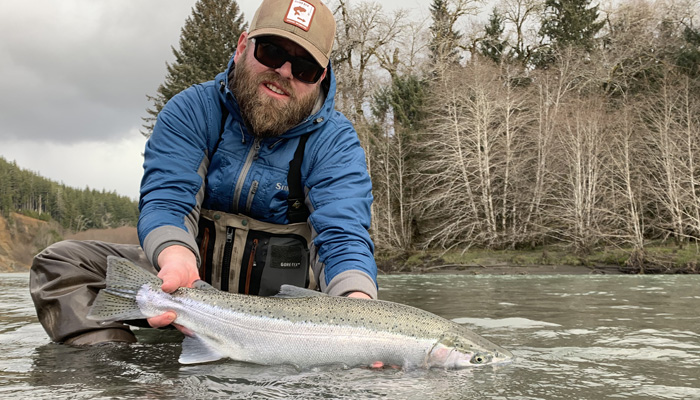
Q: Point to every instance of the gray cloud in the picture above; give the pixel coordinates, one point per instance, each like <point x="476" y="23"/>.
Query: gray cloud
<point x="80" y="70"/>
<point x="74" y="75"/>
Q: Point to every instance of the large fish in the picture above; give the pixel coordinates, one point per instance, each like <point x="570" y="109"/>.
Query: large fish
<point x="299" y="326"/>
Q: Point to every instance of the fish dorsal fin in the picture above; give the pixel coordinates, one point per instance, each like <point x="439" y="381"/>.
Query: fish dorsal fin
<point x="293" y="292"/>
<point x="196" y="351"/>
<point x="202" y="285"/>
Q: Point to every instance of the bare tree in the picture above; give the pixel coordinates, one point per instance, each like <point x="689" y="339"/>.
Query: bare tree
<point x="363" y="32"/>
<point x="579" y="202"/>
<point x="691" y="140"/>
<point x="522" y="15"/>
<point x="666" y="154"/>
<point x="473" y="146"/>
<point x="624" y="155"/>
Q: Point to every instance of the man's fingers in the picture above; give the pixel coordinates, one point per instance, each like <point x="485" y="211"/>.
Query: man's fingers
<point x="162" y="320"/>
<point x="171" y="282"/>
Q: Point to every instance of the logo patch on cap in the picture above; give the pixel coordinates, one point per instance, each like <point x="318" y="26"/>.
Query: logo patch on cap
<point x="300" y="14"/>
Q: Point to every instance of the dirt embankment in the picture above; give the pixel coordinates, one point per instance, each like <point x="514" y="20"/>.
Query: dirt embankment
<point x="22" y="237"/>
<point x="18" y="241"/>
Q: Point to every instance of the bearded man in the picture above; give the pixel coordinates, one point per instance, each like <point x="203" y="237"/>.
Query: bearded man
<point x="251" y="181"/>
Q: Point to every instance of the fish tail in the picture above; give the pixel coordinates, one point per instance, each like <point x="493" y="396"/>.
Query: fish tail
<point x="117" y="301"/>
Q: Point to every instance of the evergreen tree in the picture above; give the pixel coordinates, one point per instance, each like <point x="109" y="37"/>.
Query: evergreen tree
<point x="444" y="40"/>
<point x="26" y="192"/>
<point x="492" y="46"/>
<point x="570" y="23"/>
<point x="688" y="55"/>
<point x="406" y="98"/>
<point x="207" y="41"/>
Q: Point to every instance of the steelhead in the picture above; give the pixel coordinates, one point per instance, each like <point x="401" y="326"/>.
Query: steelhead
<point x="300" y="327"/>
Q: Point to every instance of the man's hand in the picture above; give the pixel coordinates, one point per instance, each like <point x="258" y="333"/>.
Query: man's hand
<point x="178" y="268"/>
<point x="359" y="295"/>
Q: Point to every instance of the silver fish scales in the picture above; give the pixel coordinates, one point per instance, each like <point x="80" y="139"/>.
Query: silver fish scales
<point x="298" y="327"/>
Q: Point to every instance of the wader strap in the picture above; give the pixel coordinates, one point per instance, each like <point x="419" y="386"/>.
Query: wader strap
<point x="296" y="206"/>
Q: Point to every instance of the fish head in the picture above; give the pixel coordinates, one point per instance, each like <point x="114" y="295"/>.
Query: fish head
<point x="455" y="351"/>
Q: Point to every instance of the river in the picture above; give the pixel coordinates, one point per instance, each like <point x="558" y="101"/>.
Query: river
<point x="574" y="337"/>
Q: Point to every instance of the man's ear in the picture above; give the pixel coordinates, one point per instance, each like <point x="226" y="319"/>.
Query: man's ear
<point x="240" y="48"/>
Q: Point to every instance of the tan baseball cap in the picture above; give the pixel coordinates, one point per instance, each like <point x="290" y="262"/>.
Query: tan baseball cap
<point x="308" y="23"/>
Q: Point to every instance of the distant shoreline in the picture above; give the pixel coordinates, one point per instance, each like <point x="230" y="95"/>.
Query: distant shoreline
<point x="654" y="259"/>
<point x="513" y="270"/>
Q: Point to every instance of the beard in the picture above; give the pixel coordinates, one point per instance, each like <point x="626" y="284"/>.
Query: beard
<point x="265" y="116"/>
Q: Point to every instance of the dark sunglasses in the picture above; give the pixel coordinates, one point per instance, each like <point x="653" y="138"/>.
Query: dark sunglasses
<point x="273" y="56"/>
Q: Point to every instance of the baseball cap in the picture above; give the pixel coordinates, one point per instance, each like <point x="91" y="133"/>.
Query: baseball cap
<point x="308" y="23"/>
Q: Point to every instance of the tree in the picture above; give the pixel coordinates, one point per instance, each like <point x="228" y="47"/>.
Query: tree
<point x="571" y="23"/>
<point x="364" y="31"/>
<point x="444" y="42"/>
<point x="492" y="46"/>
<point x="518" y="13"/>
<point x="401" y="110"/>
<point x="207" y="41"/>
<point x="566" y="23"/>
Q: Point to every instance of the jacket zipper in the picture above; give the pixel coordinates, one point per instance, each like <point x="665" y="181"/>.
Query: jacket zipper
<point x="251" y="196"/>
<point x="226" y="263"/>
<point x="252" y="156"/>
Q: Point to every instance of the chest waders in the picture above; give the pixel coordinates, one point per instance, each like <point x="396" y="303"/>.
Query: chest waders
<point x="244" y="255"/>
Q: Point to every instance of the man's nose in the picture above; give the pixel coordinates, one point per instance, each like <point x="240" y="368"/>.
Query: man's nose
<point x="285" y="70"/>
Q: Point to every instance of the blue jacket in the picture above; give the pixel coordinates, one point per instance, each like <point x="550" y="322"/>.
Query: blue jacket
<point x="249" y="176"/>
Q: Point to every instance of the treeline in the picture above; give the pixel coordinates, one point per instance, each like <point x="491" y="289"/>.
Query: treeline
<point x="26" y="192"/>
<point x="548" y="121"/>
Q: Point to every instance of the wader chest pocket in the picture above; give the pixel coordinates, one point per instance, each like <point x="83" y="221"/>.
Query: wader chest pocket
<point x="240" y="254"/>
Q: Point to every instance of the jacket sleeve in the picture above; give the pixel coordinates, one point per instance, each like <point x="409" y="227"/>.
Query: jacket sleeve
<point x="175" y="165"/>
<point x="340" y="200"/>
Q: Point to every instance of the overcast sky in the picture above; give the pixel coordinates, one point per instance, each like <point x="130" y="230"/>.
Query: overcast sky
<point x="74" y="75"/>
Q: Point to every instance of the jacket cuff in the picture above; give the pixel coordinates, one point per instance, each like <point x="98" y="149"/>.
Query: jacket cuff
<point x="350" y="281"/>
<point x="160" y="238"/>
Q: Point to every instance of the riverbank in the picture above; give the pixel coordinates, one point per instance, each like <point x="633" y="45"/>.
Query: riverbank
<point x="654" y="259"/>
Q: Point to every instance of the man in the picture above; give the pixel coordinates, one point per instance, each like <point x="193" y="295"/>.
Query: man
<point x="251" y="181"/>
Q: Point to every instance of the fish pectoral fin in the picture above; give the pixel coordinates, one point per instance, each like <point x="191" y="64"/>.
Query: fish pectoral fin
<point x="196" y="351"/>
<point x="291" y="291"/>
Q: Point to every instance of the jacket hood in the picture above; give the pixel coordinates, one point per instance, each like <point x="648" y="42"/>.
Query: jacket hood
<point x="312" y="122"/>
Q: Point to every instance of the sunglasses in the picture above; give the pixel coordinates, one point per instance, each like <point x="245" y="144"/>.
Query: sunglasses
<point x="273" y="56"/>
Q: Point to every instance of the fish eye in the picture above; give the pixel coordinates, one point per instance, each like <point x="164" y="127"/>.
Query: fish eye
<point x="480" y="358"/>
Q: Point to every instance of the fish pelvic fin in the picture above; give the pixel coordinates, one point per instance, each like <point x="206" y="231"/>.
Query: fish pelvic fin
<point x="292" y="292"/>
<point x="117" y="301"/>
<point x="196" y="351"/>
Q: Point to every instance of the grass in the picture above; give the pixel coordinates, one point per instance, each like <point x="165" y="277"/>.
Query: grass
<point x="664" y="257"/>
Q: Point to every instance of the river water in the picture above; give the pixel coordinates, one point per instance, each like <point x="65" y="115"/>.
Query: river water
<point x="574" y="337"/>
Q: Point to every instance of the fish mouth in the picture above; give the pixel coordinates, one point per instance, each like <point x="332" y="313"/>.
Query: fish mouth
<point x="481" y="358"/>
<point x="451" y="357"/>
<point x="501" y="356"/>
